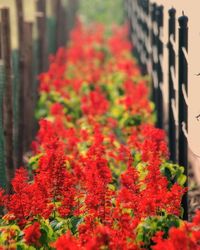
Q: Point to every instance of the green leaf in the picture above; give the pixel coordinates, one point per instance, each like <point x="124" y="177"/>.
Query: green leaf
<point x="150" y="225"/>
<point x="33" y="161"/>
<point x="181" y="179"/>
<point x="174" y="173"/>
<point x="44" y="236"/>
<point x="59" y="225"/>
<point x="75" y="221"/>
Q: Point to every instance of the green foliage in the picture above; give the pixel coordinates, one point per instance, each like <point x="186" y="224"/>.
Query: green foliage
<point x="174" y="173"/>
<point x="103" y="11"/>
<point x="71" y="106"/>
<point x="60" y="225"/>
<point x="134" y="120"/>
<point x="33" y="161"/>
<point x="149" y="226"/>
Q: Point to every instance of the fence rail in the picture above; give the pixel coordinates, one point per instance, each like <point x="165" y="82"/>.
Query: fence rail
<point x="19" y="67"/>
<point x="146" y="28"/>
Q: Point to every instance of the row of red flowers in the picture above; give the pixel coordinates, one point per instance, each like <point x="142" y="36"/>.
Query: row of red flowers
<point x="99" y="177"/>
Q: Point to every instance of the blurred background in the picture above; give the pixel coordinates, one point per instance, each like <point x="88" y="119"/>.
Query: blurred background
<point x="103" y="11"/>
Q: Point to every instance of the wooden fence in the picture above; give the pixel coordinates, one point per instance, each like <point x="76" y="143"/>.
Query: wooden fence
<point x="146" y="31"/>
<point x="39" y="28"/>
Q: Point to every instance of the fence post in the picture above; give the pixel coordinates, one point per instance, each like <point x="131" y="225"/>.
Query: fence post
<point x="71" y="14"/>
<point x="59" y="25"/>
<point x="154" y="55"/>
<point x="2" y="84"/>
<point x="172" y="94"/>
<point x="159" y="21"/>
<point x="62" y="23"/>
<point x="133" y="27"/>
<point x="42" y="35"/>
<point x="51" y="27"/>
<point x="20" y="137"/>
<point x="146" y="28"/>
<point x="140" y="34"/>
<point x="16" y="94"/>
<point x="144" y="5"/>
<point x="183" y="109"/>
<point x="28" y="85"/>
<point x="131" y="30"/>
<point x="7" y="99"/>
<point x="136" y="25"/>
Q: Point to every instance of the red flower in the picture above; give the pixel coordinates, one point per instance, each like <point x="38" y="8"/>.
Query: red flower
<point x="179" y="238"/>
<point x="94" y="104"/>
<point x="28" y="199"/>
<point x="32" y="234"/>
<point x="57" y="109"/>
<point x="2" y="197"/>
<point x="66" y="242"/>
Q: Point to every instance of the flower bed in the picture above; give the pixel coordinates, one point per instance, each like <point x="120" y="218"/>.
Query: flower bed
<point x="99" y="177"/>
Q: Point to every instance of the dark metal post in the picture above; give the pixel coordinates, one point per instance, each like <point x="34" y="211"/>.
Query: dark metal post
<point x="42" y="35"/>
<point x="140" y="36"/>
<point x="154" y="63"/>
<point x="183" y="109"/>
<point x="20" y="132"/>
<point x="59" y="28"/>
<point x="172" y="65"/>
<point x="8" y="100"/>
<point x="146" y="28"/>
<point x="28" y="86"/>
<point x="159" y="19"/>
<point x="61" y="24"/>
<point x="131" y="26"/>
<point x="71" y="14"/>
<point x="145" y="6"/>
<point x="3" y="179"/>
<point x="144" y="35"/>
<point x="134" y="25"/>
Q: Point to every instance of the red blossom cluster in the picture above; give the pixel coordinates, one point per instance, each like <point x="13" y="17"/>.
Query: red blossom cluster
<point x="95" y="174"/>
<point x="32" y="234"/>
<point x="187" y="236"/>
